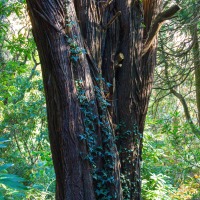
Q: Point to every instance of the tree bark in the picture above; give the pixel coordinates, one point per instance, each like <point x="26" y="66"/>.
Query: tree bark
<point x="196" y="60"/>
<point x="73" y="176"/>
<point x="80" y="103"/>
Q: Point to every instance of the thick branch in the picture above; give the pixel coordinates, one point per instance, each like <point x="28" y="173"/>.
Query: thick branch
<point x="157" y="24"/>
<point x="107" y="3"/>
<point x="112" y="20"/>
<point x="180" y="97"/>
<point x="187" y="113"/>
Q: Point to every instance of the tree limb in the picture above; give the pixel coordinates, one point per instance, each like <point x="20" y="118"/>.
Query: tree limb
<point x="157" y="24"/>
<point x="186" y="111"/>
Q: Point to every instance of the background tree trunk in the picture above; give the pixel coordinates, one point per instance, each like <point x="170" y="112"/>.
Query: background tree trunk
<point x="196" y="58"/>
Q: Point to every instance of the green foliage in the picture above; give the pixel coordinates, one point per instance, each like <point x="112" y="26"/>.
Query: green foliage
<point x="171" y="159"/>
<point x="22" y="111"/>
<point x="11" y="185"/>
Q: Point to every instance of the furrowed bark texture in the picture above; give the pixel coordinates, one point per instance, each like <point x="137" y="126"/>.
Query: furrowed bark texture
<point x="92" y="72"/>
<point x="133" y="87"/>
<point x="196" y="57"/>
<point x="131" y="84"/>
<point x="114" y="35"/>
<point x="73" y="177"/>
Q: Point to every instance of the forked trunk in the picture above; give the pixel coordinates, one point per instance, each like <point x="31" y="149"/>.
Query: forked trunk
<point x="97" y="102"/>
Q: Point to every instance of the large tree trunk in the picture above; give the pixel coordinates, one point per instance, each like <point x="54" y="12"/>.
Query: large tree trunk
<point x="73" y="177"/>
<point x="120" y="42"/>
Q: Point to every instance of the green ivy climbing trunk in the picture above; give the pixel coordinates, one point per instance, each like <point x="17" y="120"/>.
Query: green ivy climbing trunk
<point x="98" y="59"/>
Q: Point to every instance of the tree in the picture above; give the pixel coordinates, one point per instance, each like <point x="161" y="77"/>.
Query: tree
<point x="179" y="62"/>
<point x="196" y="61"/>
<point x="97" y="101"/>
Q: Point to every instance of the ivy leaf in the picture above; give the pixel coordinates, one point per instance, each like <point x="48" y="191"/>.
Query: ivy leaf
<point x="2" y="146"/>
<point x="74" y="58"/>
<point x="6" y="166"/>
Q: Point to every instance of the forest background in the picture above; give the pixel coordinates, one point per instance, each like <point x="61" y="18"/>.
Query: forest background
<point x="171" y="157"/>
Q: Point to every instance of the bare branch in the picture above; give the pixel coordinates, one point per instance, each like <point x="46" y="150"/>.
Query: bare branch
<point x="157" y="24"/>
<point x="186" y="111"/>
